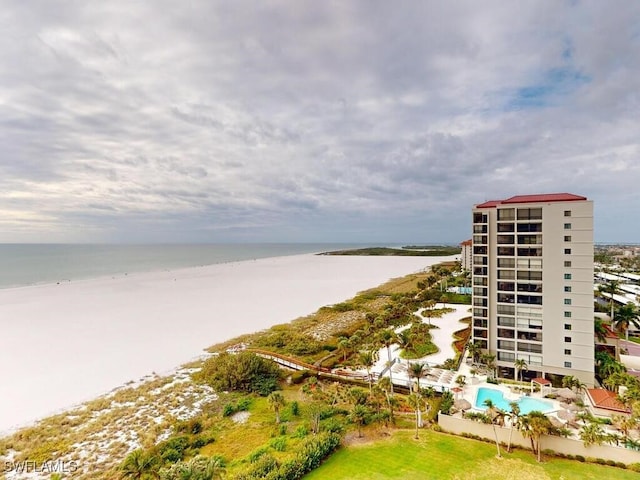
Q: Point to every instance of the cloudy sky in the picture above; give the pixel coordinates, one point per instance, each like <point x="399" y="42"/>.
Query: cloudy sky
<point x="353" y="121"/>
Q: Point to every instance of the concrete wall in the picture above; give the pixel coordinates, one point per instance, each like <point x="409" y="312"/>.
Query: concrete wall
<point x="567" y="446"/>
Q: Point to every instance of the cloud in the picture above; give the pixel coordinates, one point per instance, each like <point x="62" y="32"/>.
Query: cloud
<point x="359" y="121"/>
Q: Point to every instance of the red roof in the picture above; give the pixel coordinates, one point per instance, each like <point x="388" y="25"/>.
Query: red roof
<point x="541" y="381"/>
<point x="537" y="198"/>
<point x="605" y="399"/>
<point x="545" y="197"/>
<point x="466" y="242"/>
<point x="489" y="204"/>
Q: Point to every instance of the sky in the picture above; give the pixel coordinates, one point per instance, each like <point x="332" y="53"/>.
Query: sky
<point x="306" y="121"/>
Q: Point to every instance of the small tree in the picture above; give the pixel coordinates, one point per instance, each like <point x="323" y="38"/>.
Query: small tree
<point x="494" y="413"/>
<point x="276" y="400"/>
<point x="138" y="464"/>
<point x="387" y="338"/>
<point x="367" y="361"/>
<point x="592" y="434"/>
<point x="415" y="402"/>
<point x="533" y="426"/>
<point x="359" y="415"/>
<point x="520" y="365"/>
<point x="514" y="417"/>
<point x="627" y="316"/>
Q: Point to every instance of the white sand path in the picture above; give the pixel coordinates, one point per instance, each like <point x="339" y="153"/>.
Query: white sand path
<point x="64" y="344"/>
<point x="442" y="337"/>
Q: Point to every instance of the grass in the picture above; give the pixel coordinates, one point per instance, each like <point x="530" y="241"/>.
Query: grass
<point x="443" y="456"/>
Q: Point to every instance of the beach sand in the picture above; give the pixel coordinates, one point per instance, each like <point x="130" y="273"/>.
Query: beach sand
<point x="64" y="344"/>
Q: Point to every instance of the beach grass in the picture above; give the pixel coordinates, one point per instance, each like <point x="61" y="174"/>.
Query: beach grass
<point x="441" y="456"/>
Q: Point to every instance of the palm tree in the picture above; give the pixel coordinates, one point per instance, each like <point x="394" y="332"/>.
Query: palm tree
<point x="343" y="345"/>
<point x="138" y="464"/>
<point x="490" y="361"/>
<point x="534" y="425"/>
<point x="387" y="338"/>
<point x="417" y="370"/>
<point x="520" y="365"/>
<point x="599" y="330"/>
<point x="474" y="350"/>
<point x="415" y="402"/>
<point x="429" y="305"/>
<point x="403" y="339"/>
<point x="592" y="434"/>
<point x="626" y="316"/>
<point x="357" y="396"/>
<point x="359" y="416"/>
<point x="494" y="414"/>
<point x="624" y="423"/>
<point x="514" y="416"/>
<point x="367" y="361"/>
<point x="611" y="288"/>
<point x="276" y="400"/>
<point x="385" y="384"/>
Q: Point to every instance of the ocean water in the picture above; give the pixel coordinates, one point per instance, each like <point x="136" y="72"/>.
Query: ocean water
<point x="33" y="264"/>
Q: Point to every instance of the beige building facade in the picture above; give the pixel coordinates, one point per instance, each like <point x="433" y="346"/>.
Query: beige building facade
<point x="532" y="278"/>
<point x="466" y="249"/>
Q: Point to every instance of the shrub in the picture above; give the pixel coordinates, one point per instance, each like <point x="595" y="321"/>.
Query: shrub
<point x="611" y="463"/>
<point x="243" y="404"/>
<point x="172" y="450"/>
<point x="279" y="444"/>
<point x="299" y="376"/>
<point x="294" y="408"/>
<point x="301" y="432"/>
<point x="621" y="465"/>
<point x="171" y="455"/>
<point x="580" y="458"/>
<point x="256" y="454"/>
<point x="245" y="371"/>
<point x="228" y="409"/>
<point x="333" y="425"/>
<point x="634" y="467"/>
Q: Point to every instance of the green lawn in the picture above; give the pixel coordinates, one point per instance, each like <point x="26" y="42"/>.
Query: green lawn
<point x="442" y="456"/>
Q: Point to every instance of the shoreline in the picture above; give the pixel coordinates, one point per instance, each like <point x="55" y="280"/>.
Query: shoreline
<point x="74" y="342"/>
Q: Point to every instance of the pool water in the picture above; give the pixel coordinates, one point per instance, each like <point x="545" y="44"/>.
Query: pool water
<point x="526" y="404"/>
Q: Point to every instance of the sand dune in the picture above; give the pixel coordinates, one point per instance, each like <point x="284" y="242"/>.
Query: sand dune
<point x="64" y="344"/>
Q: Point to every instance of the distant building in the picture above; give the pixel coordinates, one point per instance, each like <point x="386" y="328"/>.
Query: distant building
<point x="465" y="259"/>
<point x="532" y="271"/>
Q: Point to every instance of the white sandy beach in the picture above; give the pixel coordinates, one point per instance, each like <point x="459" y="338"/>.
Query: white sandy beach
<point x="64" y="344"/>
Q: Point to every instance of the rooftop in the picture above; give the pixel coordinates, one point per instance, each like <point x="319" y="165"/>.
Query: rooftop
<point x="605" y="399"/>
<point x="537" y="198"/>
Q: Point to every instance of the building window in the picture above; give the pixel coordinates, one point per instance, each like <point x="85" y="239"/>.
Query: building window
<point x="567" y="226"/>
<point x="567" y="314"/>
<point x="567" y="351"/>
<point x="567" y="301"/>
<point x="567" y="339"/>
<point x="567" y="276"/>
<point x="567" y="263"/>
<point x="567" y="238"/>
<point x="567" y="326"/>
<point x="567" y="251"/>
<point x="567" y="364"/>
<point x="567" y="288"/>
<point x="567" y="213"/>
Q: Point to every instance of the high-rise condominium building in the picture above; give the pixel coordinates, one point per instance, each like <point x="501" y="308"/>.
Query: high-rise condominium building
<point x="533" y="284"/>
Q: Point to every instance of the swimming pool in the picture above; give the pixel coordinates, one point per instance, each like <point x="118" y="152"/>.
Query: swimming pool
<point x="526" y="404"/>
